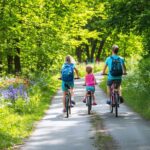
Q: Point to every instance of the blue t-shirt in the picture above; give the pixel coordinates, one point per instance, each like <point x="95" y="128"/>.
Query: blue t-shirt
<point x="73" y="65"/>
<point x="108" y="62"/>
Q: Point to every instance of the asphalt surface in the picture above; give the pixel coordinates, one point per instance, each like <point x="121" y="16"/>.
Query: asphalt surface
<point x="54" y="132"/>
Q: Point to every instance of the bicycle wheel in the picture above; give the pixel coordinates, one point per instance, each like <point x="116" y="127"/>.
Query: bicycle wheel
<point x="111" y="104"/>
<point x="67" y="106"/>
<point x="89" y="104"/>
<point x="116" y="96"/>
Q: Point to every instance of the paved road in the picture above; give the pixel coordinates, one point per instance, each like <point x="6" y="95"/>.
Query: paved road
<point x="54" y="132"/>
<point x="129" y="130"/>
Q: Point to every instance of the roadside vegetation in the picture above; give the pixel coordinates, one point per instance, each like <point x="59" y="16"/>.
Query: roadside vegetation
<point x="18" y="114"/>
<point x="35" y="37"/>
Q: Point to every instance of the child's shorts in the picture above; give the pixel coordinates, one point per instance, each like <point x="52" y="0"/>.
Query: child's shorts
<point x="70" y="84"/>
<point x="90" y="88"/>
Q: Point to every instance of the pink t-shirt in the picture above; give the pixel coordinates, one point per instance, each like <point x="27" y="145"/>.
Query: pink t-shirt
<point x="90" y="80"/>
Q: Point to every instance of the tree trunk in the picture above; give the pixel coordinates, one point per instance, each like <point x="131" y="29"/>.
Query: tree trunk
<point x="17" y="61"/>
<point x="102" y="42"/>
<point x="94" y="43"/>
<point x="1" y="63"/>
<point x="79" y="53"/>
<point x="10" y="63"/>
<point x="87" y="53"/>
<point x="3" y="31"/>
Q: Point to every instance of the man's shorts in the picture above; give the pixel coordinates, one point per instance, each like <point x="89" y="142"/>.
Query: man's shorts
<point x="110" y="82"/>
<point x="64" y="87"/>
<point x="90" y="88"/>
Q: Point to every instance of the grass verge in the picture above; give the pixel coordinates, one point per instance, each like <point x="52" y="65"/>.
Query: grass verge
<point x="17" y="121"/>
<point x="135" y="94"/>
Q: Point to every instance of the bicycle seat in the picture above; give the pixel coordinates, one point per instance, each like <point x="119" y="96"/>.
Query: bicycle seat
<point x="116" y="84"/>
<point x="89" y="92"/>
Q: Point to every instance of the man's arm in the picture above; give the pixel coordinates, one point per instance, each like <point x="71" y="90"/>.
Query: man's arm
<point x="124" y="69"/>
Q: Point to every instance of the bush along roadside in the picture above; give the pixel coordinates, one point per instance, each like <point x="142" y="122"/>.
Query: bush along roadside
<point x="22" y="102"/>
<point x="136" y="89"/>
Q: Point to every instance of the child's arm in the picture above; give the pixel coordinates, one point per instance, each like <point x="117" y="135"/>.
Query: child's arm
<point x="84" y="81"/>
<point x="95" y="80"/>
<point x="76" y="71"/>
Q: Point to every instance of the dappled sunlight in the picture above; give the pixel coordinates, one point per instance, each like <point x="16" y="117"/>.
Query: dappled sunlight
<point x="79" y="82"/>
<point x="54" y="131"/>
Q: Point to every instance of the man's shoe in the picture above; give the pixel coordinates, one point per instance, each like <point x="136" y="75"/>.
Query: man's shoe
<point x="121" y="99"/>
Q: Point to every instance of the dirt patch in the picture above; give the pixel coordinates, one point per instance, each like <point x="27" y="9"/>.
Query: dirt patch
<point x="102" y="140"/>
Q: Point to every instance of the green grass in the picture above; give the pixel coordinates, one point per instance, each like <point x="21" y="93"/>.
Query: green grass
<point x="136" y="95"/>
<point x="17" y="121"/>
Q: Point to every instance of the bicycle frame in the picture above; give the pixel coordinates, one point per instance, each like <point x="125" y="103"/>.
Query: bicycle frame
<point x="68" y="103"/>
<point x="115" y="101"/>
<point x="89" y="101"/>
<point x="68" y="99"/>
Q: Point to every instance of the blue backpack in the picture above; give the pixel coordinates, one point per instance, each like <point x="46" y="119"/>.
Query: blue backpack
<point x="116" y="67"/>
<point x="67" y="72"/>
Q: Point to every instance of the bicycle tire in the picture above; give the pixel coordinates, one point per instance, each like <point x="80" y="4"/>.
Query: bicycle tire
<point x="111" y="104"/>
<point x="67" y="106"/>
<point x="69" y="103"/>
<point x="89" y="103"/>
<point x="116" y="96"/>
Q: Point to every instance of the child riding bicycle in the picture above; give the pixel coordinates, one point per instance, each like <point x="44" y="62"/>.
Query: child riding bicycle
<point x="67" y="76"/>
<point x="90" y="83"/>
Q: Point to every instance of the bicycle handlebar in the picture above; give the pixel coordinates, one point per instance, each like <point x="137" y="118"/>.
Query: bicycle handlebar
<point x="107" y="74"/>
<point x="74" y="78"/>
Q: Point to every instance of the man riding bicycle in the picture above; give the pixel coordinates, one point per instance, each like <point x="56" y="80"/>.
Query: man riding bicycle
<point x="115" y="71"/>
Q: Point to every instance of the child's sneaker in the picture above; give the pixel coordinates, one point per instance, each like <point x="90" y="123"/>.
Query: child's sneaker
<point x="108" y="102"/>
<point x="94" y="103"/>
<point x="84" y="100"/>
<point x="73" y="102"/>
<point x="64" y="110"/>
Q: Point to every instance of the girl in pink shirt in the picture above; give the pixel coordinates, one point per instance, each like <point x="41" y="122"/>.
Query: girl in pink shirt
<point x="90" y="82"/>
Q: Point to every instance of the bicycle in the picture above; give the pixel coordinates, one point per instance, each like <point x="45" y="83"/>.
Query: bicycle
<point x="89" y="100"/>
<point x="114" y="97"/>
<point x="68" y="100"/>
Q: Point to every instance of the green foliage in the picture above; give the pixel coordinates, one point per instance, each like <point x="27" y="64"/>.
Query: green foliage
<point x="17" y="120"/>
<point x="97" y="67"/>
<point x="130" y="16"/>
